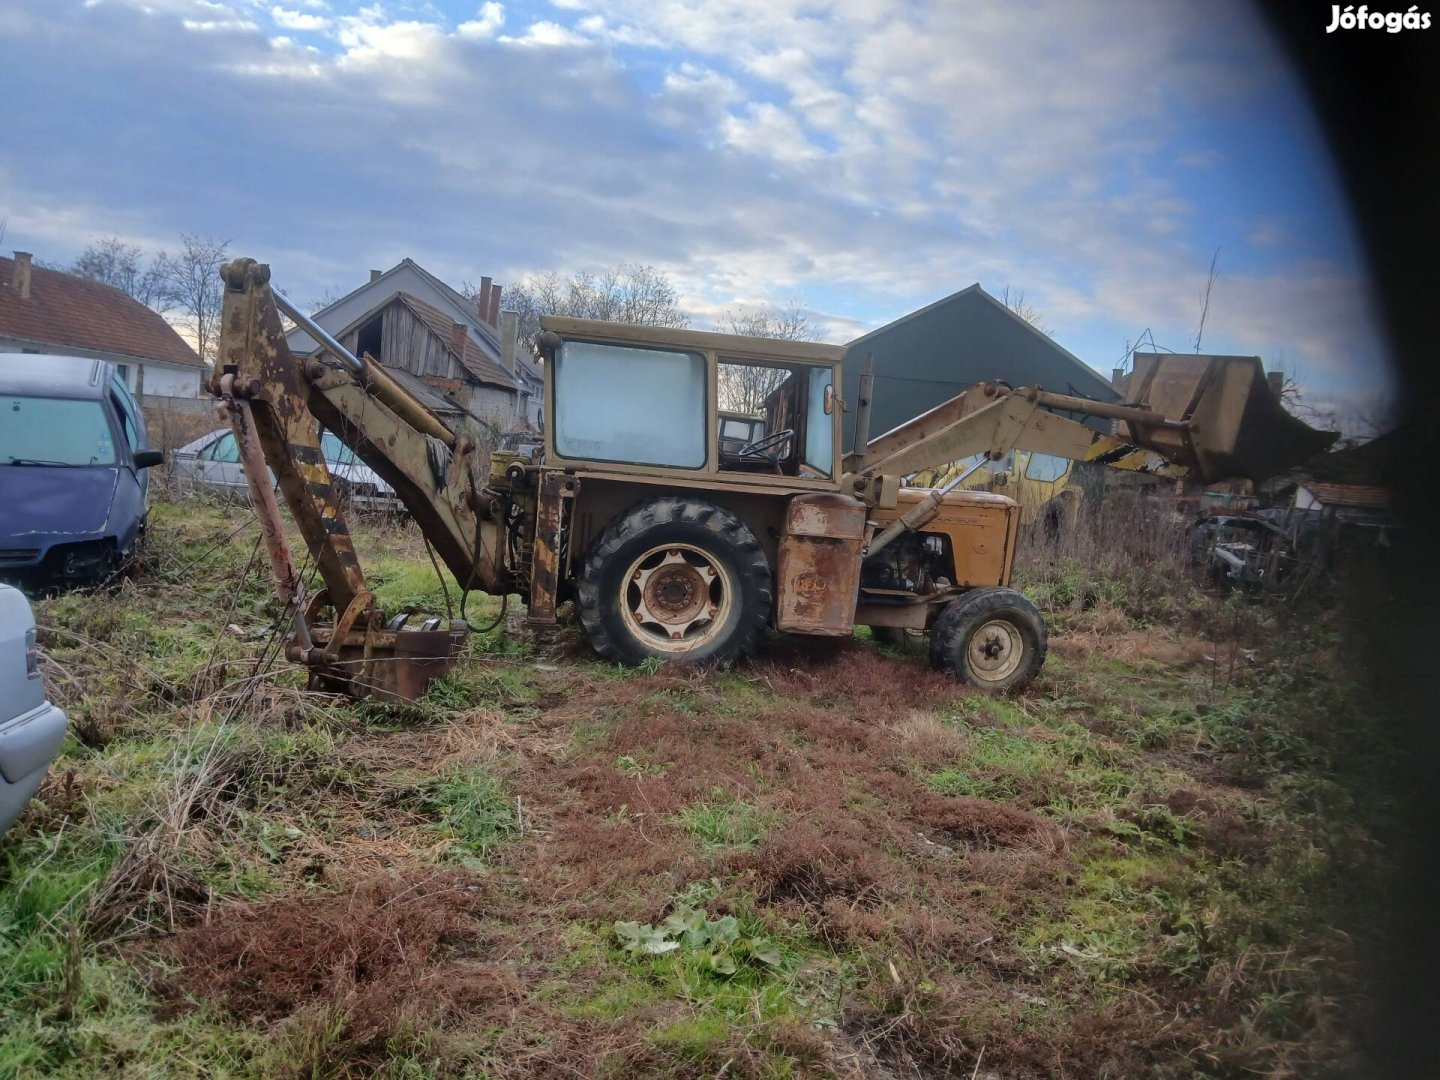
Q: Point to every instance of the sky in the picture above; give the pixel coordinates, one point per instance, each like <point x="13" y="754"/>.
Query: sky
<point x="861" y="157"/>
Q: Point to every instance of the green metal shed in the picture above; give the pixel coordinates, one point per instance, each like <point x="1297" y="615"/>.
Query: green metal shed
<point x="932" y="354"/>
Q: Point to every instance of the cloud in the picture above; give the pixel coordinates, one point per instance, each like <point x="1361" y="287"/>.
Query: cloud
<point x="489" y="19"/>
<point x="287" y="19"/>
<point x="547" y="35"/>
<point x="867" y="156"/>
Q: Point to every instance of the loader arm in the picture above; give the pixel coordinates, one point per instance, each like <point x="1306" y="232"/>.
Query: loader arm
<point x="1211" y="417"/>
<point x="273" y="400"/>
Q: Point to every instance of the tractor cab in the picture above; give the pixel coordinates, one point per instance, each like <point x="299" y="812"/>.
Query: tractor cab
<point x="665" y="402"/>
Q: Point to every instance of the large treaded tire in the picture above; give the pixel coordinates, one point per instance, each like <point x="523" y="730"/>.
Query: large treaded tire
<point x="1008" y="620"/>
<point x="731" y="546"/>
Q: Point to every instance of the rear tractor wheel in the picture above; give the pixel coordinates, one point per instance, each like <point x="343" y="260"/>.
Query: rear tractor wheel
<point x="676" y="579"/>
<point x="992" y="639"/>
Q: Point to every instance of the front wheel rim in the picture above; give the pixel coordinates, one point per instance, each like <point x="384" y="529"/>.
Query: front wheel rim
<point x="995" y="651"/>
<point x="676" y="598"/>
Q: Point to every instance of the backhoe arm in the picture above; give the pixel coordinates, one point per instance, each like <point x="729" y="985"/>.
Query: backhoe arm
<point x="273" y="400"/>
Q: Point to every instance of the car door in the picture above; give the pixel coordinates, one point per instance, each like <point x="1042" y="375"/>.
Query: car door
<point x="220" y="469"/>
<point x="127" y="513"/>
<point x="133" y="423"/>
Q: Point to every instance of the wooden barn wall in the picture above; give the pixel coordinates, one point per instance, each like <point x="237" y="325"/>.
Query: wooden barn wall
<point x="408" y="343"/>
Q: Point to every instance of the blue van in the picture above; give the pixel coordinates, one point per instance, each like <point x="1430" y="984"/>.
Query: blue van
<point x="73" y="457"/>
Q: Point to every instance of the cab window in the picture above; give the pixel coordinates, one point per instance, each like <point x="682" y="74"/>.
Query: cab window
<point x="634" y="405"/>
<point x="792" y="435"/>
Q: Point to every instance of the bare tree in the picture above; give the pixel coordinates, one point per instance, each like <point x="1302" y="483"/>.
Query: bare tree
<point x="789" y="323"/>
<point x="628" y="293"/>
<point x="111" y="261"/>
<point x="1015" y="301"/>
<point x="1205" y="302"/>
<point x="191" y="283"/>
<point x="325" y="299"/>
<point x="744" y="387"/>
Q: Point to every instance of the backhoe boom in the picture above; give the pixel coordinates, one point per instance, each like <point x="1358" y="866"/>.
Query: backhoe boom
<point x="273" y="400"/>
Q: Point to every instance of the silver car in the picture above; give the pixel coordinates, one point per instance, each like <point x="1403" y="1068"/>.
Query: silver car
<point x="212" y="463"/>
<point x="31" y="729"/>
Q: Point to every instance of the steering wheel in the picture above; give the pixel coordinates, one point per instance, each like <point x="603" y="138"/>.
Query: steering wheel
<point x="774" y="439"/>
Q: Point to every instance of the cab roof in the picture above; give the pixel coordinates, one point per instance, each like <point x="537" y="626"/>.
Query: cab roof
<point x="53" y="375"/>
<point x="739" y="345"/>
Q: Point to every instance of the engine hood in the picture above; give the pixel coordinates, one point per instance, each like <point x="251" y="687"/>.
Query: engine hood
<point x="40" y="502"/>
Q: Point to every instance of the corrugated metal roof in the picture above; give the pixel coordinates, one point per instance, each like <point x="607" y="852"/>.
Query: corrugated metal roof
<point x="63" y="309"/>
<point x="1358" y="495"/>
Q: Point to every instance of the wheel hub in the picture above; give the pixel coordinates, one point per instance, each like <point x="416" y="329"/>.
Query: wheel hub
<point x="675" y="597"/>
<point x="996" y="650"/>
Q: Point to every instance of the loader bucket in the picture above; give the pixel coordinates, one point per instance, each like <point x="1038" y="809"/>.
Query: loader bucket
<point x="1237" y="426"/>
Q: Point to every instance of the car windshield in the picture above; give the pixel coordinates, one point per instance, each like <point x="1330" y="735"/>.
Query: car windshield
<point x="54" y="431"/>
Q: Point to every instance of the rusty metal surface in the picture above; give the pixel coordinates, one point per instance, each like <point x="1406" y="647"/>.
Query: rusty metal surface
<point x="818" y="576"/>
<point x="252" y="348"/>
<point x="387" y="665"/>
<point x="1239" y="428"/>
<point x="916" y="616"/>
<point x="273" y="401"/>
<point x="557" y="494"/>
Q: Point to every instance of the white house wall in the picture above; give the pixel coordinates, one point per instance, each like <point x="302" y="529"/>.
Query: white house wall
<point x="493" y="403"/>
<point x="161" y="379"/>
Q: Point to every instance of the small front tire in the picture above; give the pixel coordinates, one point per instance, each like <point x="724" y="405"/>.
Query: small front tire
<point x="991" y="639"/>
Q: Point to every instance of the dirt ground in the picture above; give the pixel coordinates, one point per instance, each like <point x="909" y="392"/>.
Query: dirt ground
<point x="1121" y="872"/>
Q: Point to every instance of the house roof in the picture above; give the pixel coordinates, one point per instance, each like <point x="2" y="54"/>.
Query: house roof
<point x="1368" y="463"/>
<point x="453" y="305"/>
<point x="426" y="394"/>
<point x="458" y="306"/>
<point x="474" y="359"/>
<point x="65" y="310"/>
<point x="1358" y="495"/>
<point x="976" y="291"/>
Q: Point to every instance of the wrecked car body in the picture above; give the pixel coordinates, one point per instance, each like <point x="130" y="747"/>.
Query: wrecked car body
<point x="73" y="461"/>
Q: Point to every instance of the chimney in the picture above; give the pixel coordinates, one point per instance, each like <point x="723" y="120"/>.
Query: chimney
<point x="1276" y="379"/>
<point x="1117" y="379"/>
<point x="21" y="276"/>
<point x="482" y="302"/>
<point x="458" y="333"/>
<point x="375" y="275"/>
<point x="493" y="318"/>
<point x="509" y="331"/>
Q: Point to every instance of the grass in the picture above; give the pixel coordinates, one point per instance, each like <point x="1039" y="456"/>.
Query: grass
<point x="1162" y="860"/>
<point x="471" y="810"/>
<point x="724" y="822"/>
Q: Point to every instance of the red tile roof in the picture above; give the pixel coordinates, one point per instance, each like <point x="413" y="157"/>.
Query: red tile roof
<point x="474" y="361"/>
<point x="64" y="310"/>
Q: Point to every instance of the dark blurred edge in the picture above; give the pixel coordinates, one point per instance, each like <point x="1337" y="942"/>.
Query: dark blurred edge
<point x="1377" y="96"/>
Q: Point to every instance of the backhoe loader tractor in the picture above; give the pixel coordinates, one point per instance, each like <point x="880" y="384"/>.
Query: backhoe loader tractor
<point x="672" y="538"/>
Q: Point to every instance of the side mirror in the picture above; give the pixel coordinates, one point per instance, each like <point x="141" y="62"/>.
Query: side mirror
<point x="148" y="459"/>
<point x="829" y="398"/>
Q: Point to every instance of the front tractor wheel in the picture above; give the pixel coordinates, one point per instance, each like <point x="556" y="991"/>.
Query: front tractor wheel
<point x="992" y="639"/>
<point x="675" y="579"/>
